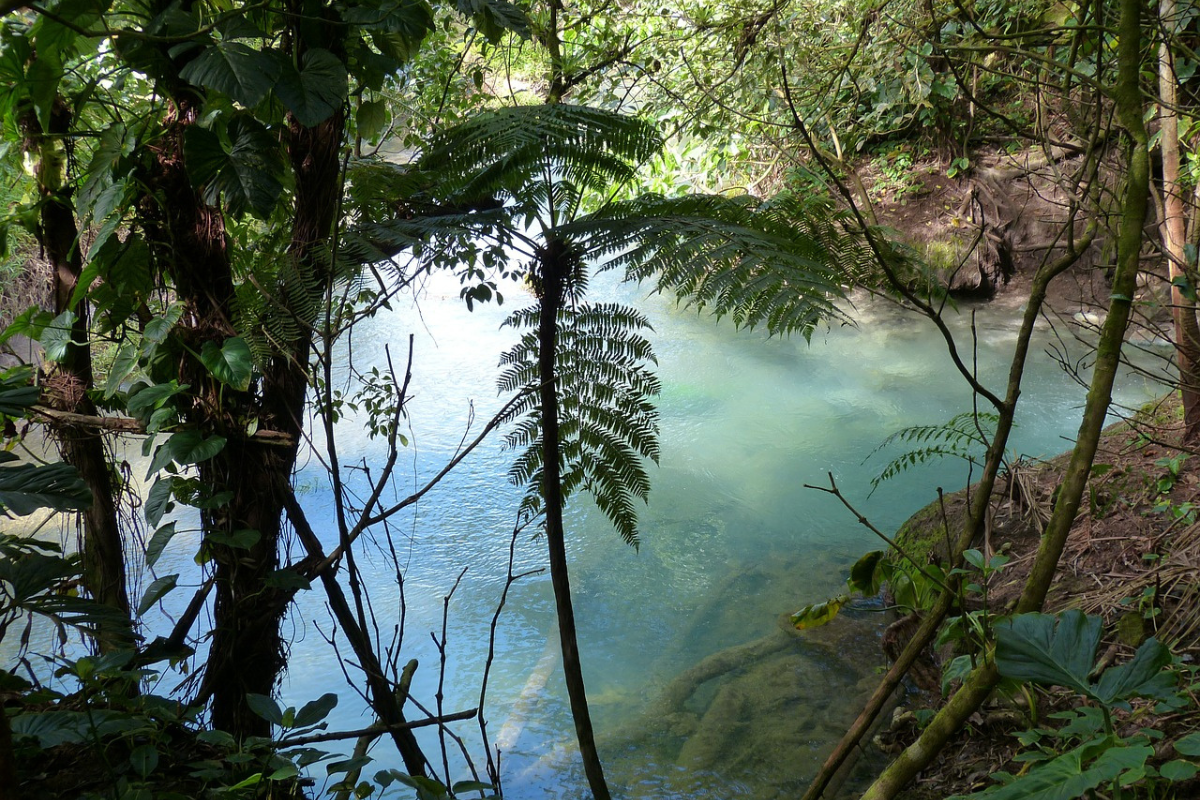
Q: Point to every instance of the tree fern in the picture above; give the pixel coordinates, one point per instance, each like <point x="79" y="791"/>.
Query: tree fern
<point x="529" y="189"/>
<point x="509" y="151"/>
<point x="783" y="264"/>
<point x="608" y="425"/>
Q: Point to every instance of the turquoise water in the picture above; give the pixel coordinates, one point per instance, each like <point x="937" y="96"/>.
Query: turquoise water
<point x="731" y="539"/>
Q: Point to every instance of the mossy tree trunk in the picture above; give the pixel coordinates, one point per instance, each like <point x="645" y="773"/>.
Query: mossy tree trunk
<point x="979" y="684"/>
<point x="83" y="448"/>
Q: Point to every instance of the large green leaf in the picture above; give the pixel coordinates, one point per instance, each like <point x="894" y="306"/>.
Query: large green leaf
<point x="17" y="392"/>
<point x="146" y="399"/>
<point x="30" y="323"/>
<point x="496" y="17"/>
<point x="160" y="539"/>
<point x="231" y="363"/>
<point x="29" y="573"/>
<point x="156" y="591"/>
<point x="266" y="707"/>
<point x="1057" y="650"/>
<point x="56" y="336"/>
<point x="371" y="119"/>
<point x="158" y="503"/>
<point x="25" y="488"/>
<point x="865" y="575"/>
<point x="55" y="727"/>
<point x="1067" y="777"/>
<point x="45" y="74"/>
<point x="315" y="92"/>
<point x="246" y="170"/>
<point x="123" y="366"/>
<point x="315" y="710"/>
<point x="1142" y="676"/>
<point x="244" y="73"/>
<point x="185" y="447"/>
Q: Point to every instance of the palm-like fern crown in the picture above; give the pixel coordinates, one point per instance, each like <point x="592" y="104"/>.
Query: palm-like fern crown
<point x="520" y="178"/>
<point x="608" y="425"/>
<point x="534" y="156"/>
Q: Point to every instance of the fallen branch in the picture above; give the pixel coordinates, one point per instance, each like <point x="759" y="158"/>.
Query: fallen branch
<point x="378" y="730"/>
<point x="130" y="425"/>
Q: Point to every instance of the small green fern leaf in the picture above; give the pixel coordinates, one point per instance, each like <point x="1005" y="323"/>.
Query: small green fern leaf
<point x="964" y="436"/>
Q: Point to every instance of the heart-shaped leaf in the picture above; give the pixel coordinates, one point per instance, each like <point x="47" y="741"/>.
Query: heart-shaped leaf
<point x="244" y="73"/>
<point x="231" y="363"/>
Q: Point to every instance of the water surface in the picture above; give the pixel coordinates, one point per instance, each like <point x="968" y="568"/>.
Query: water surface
<point x="731" y="539"/>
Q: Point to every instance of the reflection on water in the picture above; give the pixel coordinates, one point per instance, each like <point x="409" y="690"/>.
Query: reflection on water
<point x="696" y="690"/>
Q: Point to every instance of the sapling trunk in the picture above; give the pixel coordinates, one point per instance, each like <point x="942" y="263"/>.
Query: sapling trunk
<point x="980" y="682"/>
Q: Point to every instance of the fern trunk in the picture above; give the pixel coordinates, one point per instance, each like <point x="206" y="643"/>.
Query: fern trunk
<point x="554" y="275"/>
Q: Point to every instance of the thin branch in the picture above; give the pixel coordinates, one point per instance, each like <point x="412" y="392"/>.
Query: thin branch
<point x="892" y="543"/>
<point x="376" y="730"/>
<point x="129" y="425"/>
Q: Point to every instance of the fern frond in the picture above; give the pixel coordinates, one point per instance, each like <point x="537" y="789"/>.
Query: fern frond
<point x="781" y="264"/>
<point x="510" y="150"/>
<point x="963" y="436"/>
<point x="608" y="426"/>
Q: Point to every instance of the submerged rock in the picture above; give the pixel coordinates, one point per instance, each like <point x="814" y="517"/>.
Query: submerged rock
<point x="757" y="720"/>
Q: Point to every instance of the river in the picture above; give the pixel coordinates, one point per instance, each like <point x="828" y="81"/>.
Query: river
<point x="731" y="540"/>
<point x="695" y="689"/>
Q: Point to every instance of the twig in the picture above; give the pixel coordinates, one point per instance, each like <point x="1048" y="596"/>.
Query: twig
<point x="376" y="730"/>
<point x="441" y="648"/>
<point x="836" y="492"/>
<point x="130" y="425"/>
<point x="493" y="766"/>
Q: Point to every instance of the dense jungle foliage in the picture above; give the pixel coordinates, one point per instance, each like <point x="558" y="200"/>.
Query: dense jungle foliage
<point x="204" y="198"/>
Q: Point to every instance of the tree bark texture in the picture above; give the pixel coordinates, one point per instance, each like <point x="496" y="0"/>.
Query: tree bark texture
<point x="554" y="276"/>
<point x="1183" y="309"/>
<point x="82" y="447"/>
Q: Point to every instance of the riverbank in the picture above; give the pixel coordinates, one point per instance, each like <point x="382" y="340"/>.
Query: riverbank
<point x="1133" y="558"/>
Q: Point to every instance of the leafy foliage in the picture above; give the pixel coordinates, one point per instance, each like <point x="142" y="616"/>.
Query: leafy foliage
<point x="963" y="436"/>
<point x="26" y="488"/>
<point x="608" y="425"/>
<point x="781" y="264"/>
<point x="1059" y="650"/>
<point x="36" y="579"/>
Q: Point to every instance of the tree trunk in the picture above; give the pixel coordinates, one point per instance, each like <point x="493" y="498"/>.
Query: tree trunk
<point x="386" y="701"/>
<point x="979" y="684"/>
<point x="552" y="292"/>
<point x="1183" y="310"/>
<point x="82" y="448"/>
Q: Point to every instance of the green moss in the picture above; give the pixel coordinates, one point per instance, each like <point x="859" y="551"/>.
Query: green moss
<point x="925" y="532"/>
<point x="944" y="255"/>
